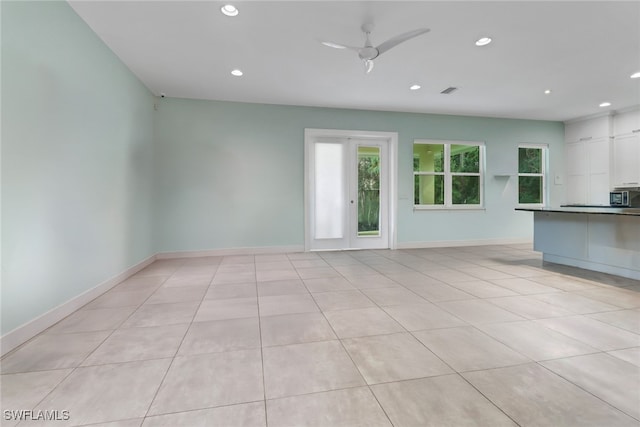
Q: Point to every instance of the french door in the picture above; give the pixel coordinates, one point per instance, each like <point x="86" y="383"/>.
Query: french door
<point x="347" y="192"/>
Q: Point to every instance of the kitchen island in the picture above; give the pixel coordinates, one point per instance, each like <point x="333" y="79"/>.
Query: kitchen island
<point x="594" y="238"/>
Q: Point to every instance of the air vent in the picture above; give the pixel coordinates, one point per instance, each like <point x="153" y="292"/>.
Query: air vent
<point x="449" y="90"/>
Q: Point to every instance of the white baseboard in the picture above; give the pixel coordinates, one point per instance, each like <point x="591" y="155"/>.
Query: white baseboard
<point x="454" y="243"/>
<point x="25" y="332"/>
<point x="259" y="250"/>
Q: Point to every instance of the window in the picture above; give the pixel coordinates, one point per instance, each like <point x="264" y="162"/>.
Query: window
<point x="447" y="174"/>
<point x="531" y="174"/>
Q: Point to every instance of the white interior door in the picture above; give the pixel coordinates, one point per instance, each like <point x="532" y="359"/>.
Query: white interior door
<point x="347" y="193"/>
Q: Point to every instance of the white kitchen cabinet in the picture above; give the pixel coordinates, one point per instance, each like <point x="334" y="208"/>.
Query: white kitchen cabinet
<point x="604" y="241"/>
<point x="576" y="190"/>
<point x="598" y="185"/>
<point x="626" y="150"/>
<point x="576" y="173"/>
<point x="587" y="154"/>
<point x="585" y="130"/>
<point x="626" y="122"/>
<point x="626" y="160"/>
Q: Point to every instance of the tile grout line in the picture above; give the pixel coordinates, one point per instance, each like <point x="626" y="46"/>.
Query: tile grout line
<point x="351" y="358"/>
<point x="369" y="386"/>
<point x="264" y="385"/>
<point x="79" y="365"/>
<point x="489" y="400"/>
<point x="454" y="371"/>
<point x="175" y="355"/>
<point x="500" y="409"/>
<point x="355" y="365"/>
<point x="585" y="390"/>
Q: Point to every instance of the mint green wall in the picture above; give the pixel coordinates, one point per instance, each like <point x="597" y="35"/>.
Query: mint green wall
<point x="77" y="161"/>
<point x="231" y="174"/>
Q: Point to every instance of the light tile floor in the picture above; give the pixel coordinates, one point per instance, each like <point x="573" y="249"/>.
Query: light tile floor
<point x="484" y="336"/>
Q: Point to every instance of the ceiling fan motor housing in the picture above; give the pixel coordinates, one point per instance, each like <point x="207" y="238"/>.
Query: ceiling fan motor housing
<point x="368" y="53"/>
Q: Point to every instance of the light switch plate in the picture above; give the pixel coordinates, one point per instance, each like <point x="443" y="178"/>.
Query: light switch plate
<point x="557" y="180"/>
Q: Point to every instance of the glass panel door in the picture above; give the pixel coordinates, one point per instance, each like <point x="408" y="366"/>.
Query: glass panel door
<point x="368" y="191"/>
<point x="329" y="191"/>
<point x="369" y="187"/>
<point x="347" y="182"/>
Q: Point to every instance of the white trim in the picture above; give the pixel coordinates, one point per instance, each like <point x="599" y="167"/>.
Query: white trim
<point x="231" y="251"/>
<point x="447" y="142"/>
<point x="544" y="174"/>
<point x="627" y="110"/>
<point x="393" y="190"/>
<point x="29" y="330"/>
<point x="532" y="145"/>
<point x="25" y="332"/>
<point x="308" y="135"/>
<point x="455" y="243"/>
<point x="448" y="175"/>
<point x="590" y="116"/>
<point x="342" y="133"/>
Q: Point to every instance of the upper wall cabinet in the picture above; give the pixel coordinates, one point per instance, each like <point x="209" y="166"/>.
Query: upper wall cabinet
<point x="585" y="130"/>
<point x="626" y="123"/>
<point x="626" y="150"/>
<point x="626" y="161"/>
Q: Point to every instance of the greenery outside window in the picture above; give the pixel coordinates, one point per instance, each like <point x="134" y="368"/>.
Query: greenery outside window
<point x="532" y="174"/>
<point x="448" y="174"/>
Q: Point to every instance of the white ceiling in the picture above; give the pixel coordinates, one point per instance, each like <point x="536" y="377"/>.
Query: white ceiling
<point x="583" y="51"/>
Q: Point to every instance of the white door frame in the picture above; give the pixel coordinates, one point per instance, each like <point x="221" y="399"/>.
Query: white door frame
<point x="391" y="137"/>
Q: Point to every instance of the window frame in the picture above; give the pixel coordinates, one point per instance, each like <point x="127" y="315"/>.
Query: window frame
<point x="544" y="148"/>
<point x="448" y="175"/>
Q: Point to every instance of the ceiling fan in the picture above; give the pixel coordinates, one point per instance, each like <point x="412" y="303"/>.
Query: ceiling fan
<point x="368" y="53"/>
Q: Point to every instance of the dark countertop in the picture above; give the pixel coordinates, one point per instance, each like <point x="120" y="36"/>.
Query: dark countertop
<point x="595" y="210"/>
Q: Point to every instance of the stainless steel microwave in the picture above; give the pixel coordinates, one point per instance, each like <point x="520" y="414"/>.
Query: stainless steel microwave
<point x="619" y="198"/>
<point x="624" y="198"/>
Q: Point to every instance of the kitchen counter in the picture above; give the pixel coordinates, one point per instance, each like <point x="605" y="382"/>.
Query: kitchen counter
<point x="600" y="238"/>
<point x="595" y="210"/>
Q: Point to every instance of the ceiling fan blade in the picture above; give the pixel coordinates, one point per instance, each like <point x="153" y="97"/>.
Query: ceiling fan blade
<point x="368" y="66"/>
<point x="339" y="46"/>
<point x="392" y="42"/>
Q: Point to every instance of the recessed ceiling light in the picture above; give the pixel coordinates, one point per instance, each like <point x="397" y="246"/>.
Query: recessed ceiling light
<point x="547" y="91"/>
<point x="415" y="87"/>
<point x="605" y="104"/>
<point x="237" y="72"/>
<point x="483" y="41"/>
<point x="635" y="75"/>
<point x="229" y="10"/>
